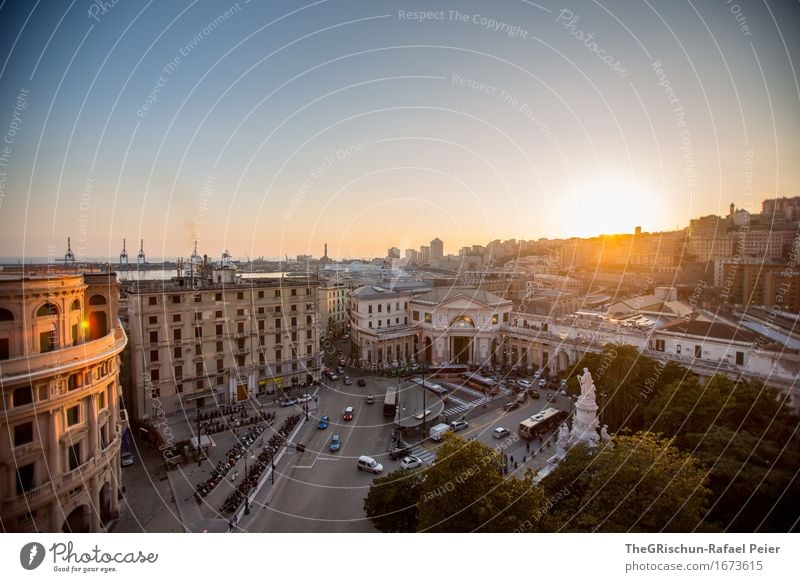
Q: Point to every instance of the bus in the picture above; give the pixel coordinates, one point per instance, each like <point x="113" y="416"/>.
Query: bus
<point x="428" y="385"/>
<point x="390" y="402"/>
<point x="541" y="422"/>
<point x="478" y="382"/>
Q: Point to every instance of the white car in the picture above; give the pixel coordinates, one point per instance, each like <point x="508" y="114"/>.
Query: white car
<point x="410" y="462"/>
<point x="524" y="384"/>
<point x="305" y="398"/>
<point x="543" y="382"/>
<point x="499" y="432"/>
<point x="126" y="459"/>
<point x="347" y="381"/>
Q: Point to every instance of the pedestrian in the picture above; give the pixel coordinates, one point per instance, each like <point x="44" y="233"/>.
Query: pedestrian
<point x="528" y="446"/>
<point x="524" y="458"/>
<point x="515" y="465"/>
<point x="512" y="459"/>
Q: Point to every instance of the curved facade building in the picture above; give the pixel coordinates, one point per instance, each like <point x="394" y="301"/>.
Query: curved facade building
<point x="61" y="426"/>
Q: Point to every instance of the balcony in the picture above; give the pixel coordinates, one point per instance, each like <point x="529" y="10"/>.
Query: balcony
<point x="35" y="366"/>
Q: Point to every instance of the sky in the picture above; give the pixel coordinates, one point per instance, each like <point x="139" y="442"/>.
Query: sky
<point x="272" y="128"/>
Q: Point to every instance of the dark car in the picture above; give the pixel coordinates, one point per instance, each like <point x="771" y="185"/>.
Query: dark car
<point x="361" y="382"/>
<point x="533" y="394"/>
<point x="323" y="422"/>
<point x="399" y="453"/>
<point x="511" y="406"/>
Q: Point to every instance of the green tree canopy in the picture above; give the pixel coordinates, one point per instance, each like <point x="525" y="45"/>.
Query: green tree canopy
<point x="391" y="503"/>
<point x="641" y="484"/>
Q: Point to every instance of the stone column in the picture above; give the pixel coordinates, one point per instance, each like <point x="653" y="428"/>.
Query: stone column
<point x="94" y="505"/>
<point x="56" y="516"/>
<point x="113" y="410"/>
<point x="53" y="445"/>
<point x="91" y="414"/>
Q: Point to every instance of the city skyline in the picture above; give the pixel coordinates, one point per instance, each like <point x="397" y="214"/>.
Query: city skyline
<point x="279" y="128"/>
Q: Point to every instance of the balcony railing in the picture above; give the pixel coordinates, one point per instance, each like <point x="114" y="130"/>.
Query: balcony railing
<point x="49" y="363"/>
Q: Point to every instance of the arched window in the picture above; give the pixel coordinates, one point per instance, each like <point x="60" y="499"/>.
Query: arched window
<point x="97" y="300"/>
<point x="76" y="305"/>
<point x="6" y="315"/>
<point x="462" y="321"/>
<point x="46" y="310"/>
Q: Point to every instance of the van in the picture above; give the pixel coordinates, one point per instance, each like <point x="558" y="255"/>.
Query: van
<point x="369" y="464"/>
<point x="437" y="432"/>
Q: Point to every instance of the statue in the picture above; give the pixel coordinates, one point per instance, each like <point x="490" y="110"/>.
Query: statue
<point x="587" y="385"/>
<point x="604" y="436"/>
<point x="562" y="441"/>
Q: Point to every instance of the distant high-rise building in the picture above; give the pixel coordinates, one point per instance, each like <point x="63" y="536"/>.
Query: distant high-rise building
<point x="437" y="249"/>
<point x="411" y="256"/>
<point x="424" y="254"/>
<point x="393" y="253"/>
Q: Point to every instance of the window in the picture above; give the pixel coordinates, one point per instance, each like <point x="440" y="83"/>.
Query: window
<point x="176" y="334"/>
<point x="308" y="320"/>
<point x="739" y="358"/>
<point x="179" y="387"/>
<point x="198" y="298"/>
<point x="379" y="323"/>
<point x="218" y="297"/>
<point x="198" y="332"/>
<point x="152" y="300"/>
<point x="178" y="373"/>
<point x="405" y="321"/>
<point x="277" y="324"/>
<point x="198" y="369"/>
<point x="23" y="434"/>
<point x="294" y="292"/>
<point x="176" y="318"/>
<point x="380" y="306"/>
<point x="308" y="334"/>
<point x="220" y="365"/>
<point x="505" y="317"/>
<point x="261" y="295"/>
<point x="277" y="293"/>
<point x="153" y="355"/>
<point x="198" y="316"/>
<point x="219" y="329"/>
<point x="176" y="352"/>
<point x="261" y="311"/>
<point x="294" y="307"/>
<point x="678" y="349"/>
<point x="218" y="314"/>
<point x="261" y="324"/>
<point x="22" y="396"/>
<point x="294" y="322"/>
<point x="240" y="312"/>
<point x="698" y="351"/>
<point x="278" y="355"/>
<point x="176" y="299"/>
<point x="101" y="400"/>
<point x="154" y="375"/>
<point x="308" y="349"/>
<point x="428" y="318"/>
<point x="152" y="320"/>
<point x="25" y="478"/>
<point x="369" y="308"/>
<point x="294" y="336"/>
<point x="494" y="318"/>
<point x="74" y="456"/>
<point x="74" y="382"/>
<point x="240" y="295"/>
<point x="415" y="315"/>
<point x="277" y="338"/>
<point x="277" y="309"/>
<point x="219" y="347"/>
<point x="153" y="337"/>
<point x="240" y="327"/>
<point x="388" y="308"/>
<point x="198" y="385"/>
<point x="397" y="320"/>
<point x="659" y="345"/>
<point x="73" y="415"/>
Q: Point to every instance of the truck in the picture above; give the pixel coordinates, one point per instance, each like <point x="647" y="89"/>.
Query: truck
<point x="438" y="431"/>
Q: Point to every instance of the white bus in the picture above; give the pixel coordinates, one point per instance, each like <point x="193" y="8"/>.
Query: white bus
<point x="541" y="422"/>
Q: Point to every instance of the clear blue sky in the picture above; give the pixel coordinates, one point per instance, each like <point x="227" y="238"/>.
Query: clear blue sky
<point x="270" y="128"/>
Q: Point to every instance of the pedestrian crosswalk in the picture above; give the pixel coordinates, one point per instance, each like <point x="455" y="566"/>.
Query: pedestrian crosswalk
<point x="423" y="454"/>
<point x="462" y="407"/>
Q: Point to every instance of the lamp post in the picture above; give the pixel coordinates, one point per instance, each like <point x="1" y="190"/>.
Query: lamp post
<point x="246" y="495"/>
<point x="424" y="373"/>
<point x="199" y="448"/>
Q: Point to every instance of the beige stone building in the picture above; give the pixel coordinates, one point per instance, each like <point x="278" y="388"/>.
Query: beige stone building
<point x="197" y="342"/>
<point x="61" y="428"/>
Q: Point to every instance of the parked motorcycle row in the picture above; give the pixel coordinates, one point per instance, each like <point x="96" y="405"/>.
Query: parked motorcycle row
<point x="213" y="426"/>
<point x="233" y="455"/>
<point x="263" y="461"/>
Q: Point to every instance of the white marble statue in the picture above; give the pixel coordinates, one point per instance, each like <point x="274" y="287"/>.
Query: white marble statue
<point x="587" y="385"/>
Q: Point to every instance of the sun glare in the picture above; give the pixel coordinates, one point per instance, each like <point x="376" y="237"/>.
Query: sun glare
<point x="608" y="208"/>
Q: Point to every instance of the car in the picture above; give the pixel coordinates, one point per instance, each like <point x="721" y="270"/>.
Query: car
<point x="288" y="402"/>
<point x="499" y="432"/>
<point x="563" y="383"/>
<point x="126" y="458"/>
<point x="348" y="413"/>
<point x="511" y="406"/>
<point x="339" y="370"/>
<point x="366" y="463"/>
<point x="524" y="384"/>
<point x="411" y="462"/>
<point x="537" y="373"/>
<point x="459" y="425"/>
<point x="415" y="366"/>
<point x="361" y="382"/>
<point x="323" y="422"/>
<point x="347" y="381"/>
<point x="370" y="399"/>
<point x="551" y="397"/>
<point x="335" y="443"/>
<point x="543" y="382"/>
<point x="304" y="398"/>
<point x="399" y="453"/>
<point x="334" y="377"/>
<point x="533" y="394"/>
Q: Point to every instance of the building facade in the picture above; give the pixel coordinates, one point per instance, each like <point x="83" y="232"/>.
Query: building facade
<point x="62" y="425"/>
<point x="332" y="309"/>
<point x="219" y="338"/>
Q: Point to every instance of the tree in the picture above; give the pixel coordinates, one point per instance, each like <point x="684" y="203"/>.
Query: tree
<point x="464" y="491"/>
<point x="641" y="484"/>
<point x="391" y="503"/>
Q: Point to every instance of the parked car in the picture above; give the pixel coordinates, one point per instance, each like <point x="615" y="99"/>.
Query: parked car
<point x="348" y="413"/>
<point x="511" y="406"/>
<point x="126" y="458"/>
<point x="415" y="366"/>
<point x="543" y="382"/>
<point x="533" y="393"/>
<point x="459" y="425"/>
<point x="323" y="422"/>
<point x="370" y="399"/>
<point x="335" y="443"/>
<point x="399" y="453"/>
<point x="339" y="370"/>
<point x="361" y="382"/>
<point x="524" y="384"/>
<point x="563" y="384"/>
<point x="347" y="381"/>
<point x="288" y="402"/>
<point x="410" y="462"/>
<point x="499" y="432"/>
<point x="334" y="377"/>
<point x="304" y="398"/>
